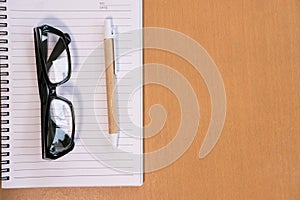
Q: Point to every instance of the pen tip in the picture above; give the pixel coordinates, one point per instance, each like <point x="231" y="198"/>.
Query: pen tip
<point x="114" y="138"/>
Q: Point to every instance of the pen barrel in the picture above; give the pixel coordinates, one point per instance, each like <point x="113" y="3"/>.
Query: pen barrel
<point x="110" y="85"/>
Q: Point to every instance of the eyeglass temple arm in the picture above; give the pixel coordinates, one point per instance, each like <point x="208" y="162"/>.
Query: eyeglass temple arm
<point x="58" y="49"/>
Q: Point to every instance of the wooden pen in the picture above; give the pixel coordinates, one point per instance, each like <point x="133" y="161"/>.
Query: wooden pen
<point x="110" y="82"/>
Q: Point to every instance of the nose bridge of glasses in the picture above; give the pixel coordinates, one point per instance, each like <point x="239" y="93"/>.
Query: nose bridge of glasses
<point x="52" y="91"/>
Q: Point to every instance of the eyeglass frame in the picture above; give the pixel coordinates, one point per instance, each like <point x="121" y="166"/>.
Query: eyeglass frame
<point x="47" y="89"/>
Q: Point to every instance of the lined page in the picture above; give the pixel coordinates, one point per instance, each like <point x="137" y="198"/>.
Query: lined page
<point x="93" y="162"/>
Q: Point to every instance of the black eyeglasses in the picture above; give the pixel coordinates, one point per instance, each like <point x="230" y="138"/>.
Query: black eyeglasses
<point x="53" y="62"/>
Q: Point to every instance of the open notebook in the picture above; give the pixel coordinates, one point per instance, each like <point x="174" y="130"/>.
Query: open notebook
<point x="93" y="162"/>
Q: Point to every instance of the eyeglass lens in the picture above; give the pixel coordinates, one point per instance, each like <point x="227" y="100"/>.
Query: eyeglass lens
<point x="57" y="64"/>
<point x="59" y="135"/>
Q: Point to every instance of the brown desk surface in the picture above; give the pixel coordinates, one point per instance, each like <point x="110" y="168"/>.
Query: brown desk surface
<point x="256" y="47"/>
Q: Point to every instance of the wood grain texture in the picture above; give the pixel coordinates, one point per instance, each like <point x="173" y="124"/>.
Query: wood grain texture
<point x="110" y="86"/>
<point x="256" y="47"/>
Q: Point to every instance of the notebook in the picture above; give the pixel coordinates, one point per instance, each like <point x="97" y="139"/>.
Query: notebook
<point x="93" y="161"/>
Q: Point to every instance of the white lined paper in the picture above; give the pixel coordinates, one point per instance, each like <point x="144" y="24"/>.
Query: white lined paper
<point x="84" y="23"/>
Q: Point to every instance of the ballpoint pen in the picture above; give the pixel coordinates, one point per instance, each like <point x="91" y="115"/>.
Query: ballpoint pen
<point x="110" y="82"/>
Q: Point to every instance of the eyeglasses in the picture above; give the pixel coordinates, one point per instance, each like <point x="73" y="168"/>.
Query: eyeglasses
<point x="53" y="62"/>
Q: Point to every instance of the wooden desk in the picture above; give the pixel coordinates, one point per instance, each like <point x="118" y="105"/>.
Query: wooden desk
<point x="256" y="47"/>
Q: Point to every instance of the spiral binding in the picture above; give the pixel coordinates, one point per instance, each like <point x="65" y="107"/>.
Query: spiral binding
<point x="4" y="88"/>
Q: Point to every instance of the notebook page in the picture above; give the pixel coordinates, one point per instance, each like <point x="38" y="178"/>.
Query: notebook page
<point x="93" y="162"/>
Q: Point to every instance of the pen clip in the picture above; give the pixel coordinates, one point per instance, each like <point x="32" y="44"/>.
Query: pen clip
<point x="114" y="48"/>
